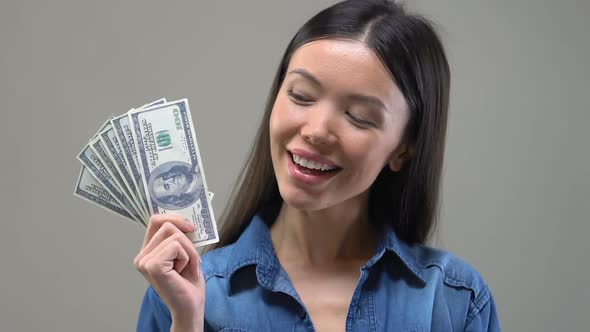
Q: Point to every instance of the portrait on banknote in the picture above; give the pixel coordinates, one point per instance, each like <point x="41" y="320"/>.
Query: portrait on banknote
<point x="175" y="185"/>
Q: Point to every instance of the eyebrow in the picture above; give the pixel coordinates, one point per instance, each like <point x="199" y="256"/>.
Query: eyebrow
<point x="372" y="100"/>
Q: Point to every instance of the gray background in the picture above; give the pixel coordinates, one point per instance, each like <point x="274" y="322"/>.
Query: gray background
<point x="517" y="173"/>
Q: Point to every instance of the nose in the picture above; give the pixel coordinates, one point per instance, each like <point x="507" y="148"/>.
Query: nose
<point x="318" y="126"/>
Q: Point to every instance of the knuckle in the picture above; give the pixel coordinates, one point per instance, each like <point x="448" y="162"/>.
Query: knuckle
<point x="172" y="229"/>
<point x="141" y="266"/>
<point x="176" y="245"/>
<point x="177" y="237"/>
<point x="158" y="221"/>
<point x="136" y="261"/>
<point x="155" y="220"/>
<point x="168" y="227"/>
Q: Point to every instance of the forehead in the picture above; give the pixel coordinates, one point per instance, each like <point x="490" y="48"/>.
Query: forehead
<point x="346" y="66"/>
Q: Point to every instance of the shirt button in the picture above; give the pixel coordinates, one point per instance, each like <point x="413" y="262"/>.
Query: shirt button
<point x="301" y="313"/>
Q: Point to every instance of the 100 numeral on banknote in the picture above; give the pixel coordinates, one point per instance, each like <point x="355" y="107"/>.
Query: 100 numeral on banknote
<point x="171" y="167"/>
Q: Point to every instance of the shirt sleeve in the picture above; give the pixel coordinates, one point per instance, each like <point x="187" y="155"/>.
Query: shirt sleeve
<point x="154" y="316"/>
<point x="486" y="319"/>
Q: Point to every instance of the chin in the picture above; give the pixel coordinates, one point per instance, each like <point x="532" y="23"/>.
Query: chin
<point x="301" y="200"/>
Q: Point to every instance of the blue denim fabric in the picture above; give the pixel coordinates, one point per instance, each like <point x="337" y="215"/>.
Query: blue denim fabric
<point x="402" y="288"/>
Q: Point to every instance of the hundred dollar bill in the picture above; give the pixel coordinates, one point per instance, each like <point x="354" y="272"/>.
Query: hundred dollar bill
<point x="100" y="151"/>
<point x="110" y="141"/>
<point x="124" y="135"/>
<point x="171" y="166"/>
<point x="90" y="189"/>
<point x="95" y="166"/>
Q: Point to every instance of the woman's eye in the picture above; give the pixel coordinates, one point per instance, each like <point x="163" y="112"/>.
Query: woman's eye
<point x="166" y="186"/>
<point x="360" y="121"/>
<point x="298" y="98"/>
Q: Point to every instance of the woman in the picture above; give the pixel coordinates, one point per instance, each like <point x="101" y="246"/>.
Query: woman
<point x="326" y="229"/>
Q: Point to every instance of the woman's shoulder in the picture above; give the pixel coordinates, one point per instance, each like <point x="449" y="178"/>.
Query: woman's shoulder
<point x="449" y="270"/>
<point x="453" y="268"/>
<point x="448" y="283"/>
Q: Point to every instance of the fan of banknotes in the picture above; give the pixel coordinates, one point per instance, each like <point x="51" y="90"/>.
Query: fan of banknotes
<point x="146" y="162"/>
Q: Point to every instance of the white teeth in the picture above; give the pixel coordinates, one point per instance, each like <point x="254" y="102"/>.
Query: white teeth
<point x="304" y="162"/>
<point x="310" y="164"/>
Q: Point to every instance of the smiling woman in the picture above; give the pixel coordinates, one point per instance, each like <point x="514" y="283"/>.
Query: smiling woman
<point x="342" y="122"/>
<point x="327" y="227"/>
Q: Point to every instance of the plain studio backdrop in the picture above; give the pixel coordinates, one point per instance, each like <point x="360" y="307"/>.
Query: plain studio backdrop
<point x="516" y="184"/>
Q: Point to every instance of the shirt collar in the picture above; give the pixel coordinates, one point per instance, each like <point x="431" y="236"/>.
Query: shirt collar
<point x="254" y="247"/>
<point x="404" y="252"/>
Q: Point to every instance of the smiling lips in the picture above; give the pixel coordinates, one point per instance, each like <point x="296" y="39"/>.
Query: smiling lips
<point x="301" y="161"/>
<point x="310" y="168"/>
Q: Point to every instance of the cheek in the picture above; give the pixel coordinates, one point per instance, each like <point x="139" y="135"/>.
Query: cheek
<point x="365" y="159"/>
<point x="274" y="128"/>
<point x="276" y="133"/>
<point x="283" y="121"/>
<point x="368" y="155"/>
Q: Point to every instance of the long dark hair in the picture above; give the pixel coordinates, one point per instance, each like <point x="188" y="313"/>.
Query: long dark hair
<point x="410" y="49"/>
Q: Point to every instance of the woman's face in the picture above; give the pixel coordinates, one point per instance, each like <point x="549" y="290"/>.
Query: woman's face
<point x="339" y="111"/>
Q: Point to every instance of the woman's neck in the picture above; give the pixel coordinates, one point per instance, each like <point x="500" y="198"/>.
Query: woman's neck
<point x="340" y="234"/>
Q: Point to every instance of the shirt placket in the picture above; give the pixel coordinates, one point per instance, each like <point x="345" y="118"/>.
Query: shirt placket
<point x="360" y="313"/>
<point x="278" y="282"/>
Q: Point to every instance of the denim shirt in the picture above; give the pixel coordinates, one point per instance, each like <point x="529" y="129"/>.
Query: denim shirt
<point x="401" y="288"/>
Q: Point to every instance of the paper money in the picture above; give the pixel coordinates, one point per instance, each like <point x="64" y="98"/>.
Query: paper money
<point x="90" y="189"/>
<point x="171" y="166"/>
<point x="117" y="179"/>
<point x="110" y="141"/>
<point x="124" y="134"/>
<point x="128" y="152"/>
<point x="146" y="162"/>
<point x="89" y="159"/>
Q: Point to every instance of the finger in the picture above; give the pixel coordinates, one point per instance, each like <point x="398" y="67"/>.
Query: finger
<point x="157" y="220"/>
<point x="194" y="260"/>
<point x="194" y="271"/>
<point x="190" y="270"/>
<point x="158" y="266"/>
<point x="199" y="277"/>
<point x="188" y="247"/>
<point x="181" y="261"/>
<point x="161" y="260"/>
<point x="165" y="231"/>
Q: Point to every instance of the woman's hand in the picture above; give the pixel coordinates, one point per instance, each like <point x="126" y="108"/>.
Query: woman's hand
<point x="171" y="264"/>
